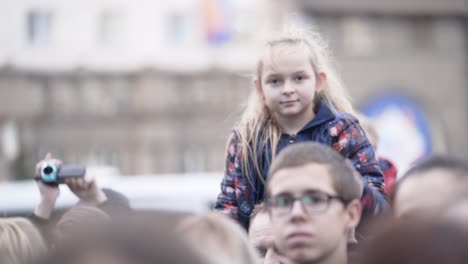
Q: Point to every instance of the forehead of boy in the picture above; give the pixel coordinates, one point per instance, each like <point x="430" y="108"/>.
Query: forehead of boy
<point x="300" y="179"/>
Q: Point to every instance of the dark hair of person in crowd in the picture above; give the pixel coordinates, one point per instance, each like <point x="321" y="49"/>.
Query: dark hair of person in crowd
<point x="139" y="238"/>
<point x="345" y="179"/>
<point x="417" y="240"/>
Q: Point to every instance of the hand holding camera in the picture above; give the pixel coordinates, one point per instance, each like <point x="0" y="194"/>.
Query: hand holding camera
<point x="51" y="172"/>
<point x="49" y="191"/>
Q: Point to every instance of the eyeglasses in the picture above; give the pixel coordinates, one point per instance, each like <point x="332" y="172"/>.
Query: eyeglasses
<point x="312" y="202"/>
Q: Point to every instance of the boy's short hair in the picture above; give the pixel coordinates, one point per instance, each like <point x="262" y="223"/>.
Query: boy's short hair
<point x="345" y="179"/>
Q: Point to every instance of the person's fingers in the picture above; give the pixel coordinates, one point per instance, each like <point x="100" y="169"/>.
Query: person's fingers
<point x="68" y="181"/>
<point x="71" y="184"/>
<point x="56" y="162"/>
<point x="90" y="178"/>
<point x="77" y="184"/>
<point x="79" y="181"/>
<point x="40" y="184"/>
<point x="48" y="156"/>
<point x="37" y="171"/>
<point x="84" y="184"/>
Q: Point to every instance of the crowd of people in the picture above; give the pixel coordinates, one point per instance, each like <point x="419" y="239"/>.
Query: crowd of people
<point x="303" y="184"/>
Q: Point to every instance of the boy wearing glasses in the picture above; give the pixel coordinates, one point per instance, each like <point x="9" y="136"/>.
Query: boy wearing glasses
<point x="313" y="199"/>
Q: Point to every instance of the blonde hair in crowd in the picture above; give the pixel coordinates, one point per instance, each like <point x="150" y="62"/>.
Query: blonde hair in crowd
<point x="20" y="241"/>
<point x="257" y="128"/>
<point x="231" y="242"/>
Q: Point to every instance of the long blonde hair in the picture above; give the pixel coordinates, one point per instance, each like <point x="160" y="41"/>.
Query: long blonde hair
<point x="257" y="129"/>
<point x="20" y="241"/>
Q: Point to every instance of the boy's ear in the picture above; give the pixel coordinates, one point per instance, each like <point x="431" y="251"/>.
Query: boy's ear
<point x="353" y="214"/>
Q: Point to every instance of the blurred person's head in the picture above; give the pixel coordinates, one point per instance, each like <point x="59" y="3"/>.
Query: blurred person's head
<point x="135" y="239"/>
<point x="294" y="75"/>
<point x="313" y="198"/>
<point x="261" y="236"/>
<point x="219" y="238"/>
<point x="458" y="213"/>
<point x="20" y="241"/>
<point x="77" y="219"/>
<point x="430" y="185"/>
<point x="416" y="240"/>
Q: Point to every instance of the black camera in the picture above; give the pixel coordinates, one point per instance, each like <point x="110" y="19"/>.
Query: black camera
<point x="51" y="174"/>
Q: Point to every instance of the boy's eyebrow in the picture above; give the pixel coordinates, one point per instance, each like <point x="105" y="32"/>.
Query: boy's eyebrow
<point x="303" y="191"/>
<point x="283" y="193"/>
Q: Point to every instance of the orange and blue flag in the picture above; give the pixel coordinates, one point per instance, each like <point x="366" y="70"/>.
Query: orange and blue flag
<point x="217" y="15"/>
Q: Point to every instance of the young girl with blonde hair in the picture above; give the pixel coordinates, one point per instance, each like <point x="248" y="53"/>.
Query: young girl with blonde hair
<point x="297" y="97"/>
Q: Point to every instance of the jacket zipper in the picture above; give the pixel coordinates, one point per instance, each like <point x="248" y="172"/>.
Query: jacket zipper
<point x="292" y="139"/>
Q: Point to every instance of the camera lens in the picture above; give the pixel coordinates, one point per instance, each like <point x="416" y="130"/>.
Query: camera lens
<point x="48" y="170"/>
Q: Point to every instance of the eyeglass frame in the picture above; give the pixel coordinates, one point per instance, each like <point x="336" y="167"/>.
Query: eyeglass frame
<point x="330" y="197"/>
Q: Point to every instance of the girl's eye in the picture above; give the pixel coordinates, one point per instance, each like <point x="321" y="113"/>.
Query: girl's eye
<point x="299" y="78"/>
<point x="273" y="81"/>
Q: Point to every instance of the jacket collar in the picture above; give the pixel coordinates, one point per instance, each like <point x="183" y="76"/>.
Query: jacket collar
<point x="322" y="116"/>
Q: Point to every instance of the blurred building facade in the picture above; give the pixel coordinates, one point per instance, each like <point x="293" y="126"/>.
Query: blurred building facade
<point x="155" y="87"/>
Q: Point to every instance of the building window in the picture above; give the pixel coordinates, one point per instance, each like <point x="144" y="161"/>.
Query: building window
<point x="102" y="156"/>
<point x="38" y="27"/>
<point x="245" y="26"/>
<point x="119" y="93"/>
<point x="422" y="35"/>
<point x="358" y="36"/>
<point x="177" y="28"/>
<point x="66" y="101"/>
<point x="110" y="28"/>
<point x="106" y="96"/>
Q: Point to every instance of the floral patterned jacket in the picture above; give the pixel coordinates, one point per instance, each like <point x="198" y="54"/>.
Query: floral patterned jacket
<point x="340" y="131"/>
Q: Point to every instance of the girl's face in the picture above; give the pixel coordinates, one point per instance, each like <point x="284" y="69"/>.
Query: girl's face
<point x="289" y="83"/>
